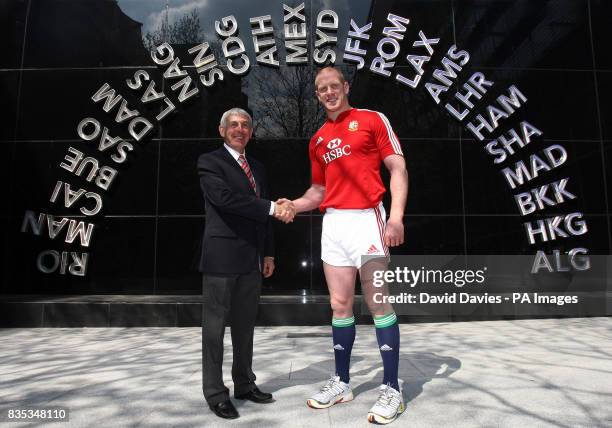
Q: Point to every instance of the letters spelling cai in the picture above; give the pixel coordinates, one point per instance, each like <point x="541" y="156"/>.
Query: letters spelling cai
<point x="463" y="104"/>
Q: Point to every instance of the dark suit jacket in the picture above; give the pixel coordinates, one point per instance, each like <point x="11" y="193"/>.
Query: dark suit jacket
<point x="238" y="232"/>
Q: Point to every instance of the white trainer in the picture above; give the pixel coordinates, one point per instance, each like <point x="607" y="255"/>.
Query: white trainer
<point x="388" y="407"/>
<point x="333" y="392"/>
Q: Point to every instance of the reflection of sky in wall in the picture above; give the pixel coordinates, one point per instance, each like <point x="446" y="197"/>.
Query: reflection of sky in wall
<point x="274" y="102"/>
<point x="151" y="13"/>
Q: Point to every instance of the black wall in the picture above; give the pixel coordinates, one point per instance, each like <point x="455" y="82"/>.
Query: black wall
<point x="57" y="53"/>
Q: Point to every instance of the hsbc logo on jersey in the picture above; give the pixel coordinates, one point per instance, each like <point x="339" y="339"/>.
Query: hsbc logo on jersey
<point x="335" y="151"/>
<point x="334" y="143"/>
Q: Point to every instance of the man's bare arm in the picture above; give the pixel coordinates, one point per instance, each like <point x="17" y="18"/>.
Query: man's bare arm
<point x="394" y="232"/>
<point x="309" y="200"/>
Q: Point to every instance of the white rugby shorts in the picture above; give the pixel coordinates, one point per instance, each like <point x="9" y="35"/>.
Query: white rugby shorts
<point x="348" y="235"/>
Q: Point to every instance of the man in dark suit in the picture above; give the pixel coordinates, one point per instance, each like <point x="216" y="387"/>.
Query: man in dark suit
<point x="237" y="249"/>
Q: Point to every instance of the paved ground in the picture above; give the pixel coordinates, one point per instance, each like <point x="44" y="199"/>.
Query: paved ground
<point x="528" y="373"/>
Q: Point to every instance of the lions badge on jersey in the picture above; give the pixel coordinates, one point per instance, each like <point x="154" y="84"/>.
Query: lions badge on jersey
<point x="353" y="126"/>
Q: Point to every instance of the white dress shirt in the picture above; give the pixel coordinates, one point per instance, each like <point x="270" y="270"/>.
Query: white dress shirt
<point x="235" y="155"/>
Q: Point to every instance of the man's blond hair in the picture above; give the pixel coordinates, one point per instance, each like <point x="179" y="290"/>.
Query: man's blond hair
<point x="329" y="67"/>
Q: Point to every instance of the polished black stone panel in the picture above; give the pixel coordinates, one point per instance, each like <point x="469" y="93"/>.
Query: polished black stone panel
<point x="179" y="241"/>
<point x="317" y="281"/>
<point x="287" y="165"/>
<point x="604" y="87"/>
<point x="74" y="33"/>
<point x="142" y="315"/>
<point x="13" y="314"/>
<point x="607" y="151"/>
<point x="411" y="112"/>
<point x="9" y="86"/>
<point x="434" y="172"/>
<point x="134" y="189"/>
<point x="76" y="315"/>
<point x="53" y="102"/>
<point x="601" y="19"/>
<point x="506" y="235"/>
<point x="559" y="103"/>
<point x="293" y="259"/>
<point x="122" y="256"/>
<point x="496" y="235"/>
<point x="525" y="34"/>
<point x="6" y="178"/>
<point x="5" y="246"/>
<point x="120" y="259"/>
<point x="431" y="235"/>
<point x="24" y="248"/>
<point x="37" y="171"/>
<point x="12" y="24"/>
<point x="179" y="184"/>
<point x="488" y="192"/>
<point x="609" y="237"/>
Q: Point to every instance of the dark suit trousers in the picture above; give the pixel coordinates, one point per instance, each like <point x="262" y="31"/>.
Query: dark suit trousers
<point x="232" y="298"/>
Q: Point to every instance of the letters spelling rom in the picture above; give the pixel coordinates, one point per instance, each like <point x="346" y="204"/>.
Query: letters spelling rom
<point x="461" y="99"/>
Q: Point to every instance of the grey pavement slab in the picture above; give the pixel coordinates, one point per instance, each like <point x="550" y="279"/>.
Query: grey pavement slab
<point x="527" y="373"/>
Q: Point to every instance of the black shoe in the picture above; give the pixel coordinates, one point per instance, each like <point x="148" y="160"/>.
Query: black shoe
<point x="225" y="410"/>
<point x="256" y="396"/>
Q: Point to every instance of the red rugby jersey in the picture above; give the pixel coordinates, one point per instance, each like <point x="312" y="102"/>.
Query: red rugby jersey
<point x="345" y="157"/>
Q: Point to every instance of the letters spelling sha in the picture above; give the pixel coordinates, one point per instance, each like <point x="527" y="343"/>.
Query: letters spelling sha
<point x="463" y="103"/>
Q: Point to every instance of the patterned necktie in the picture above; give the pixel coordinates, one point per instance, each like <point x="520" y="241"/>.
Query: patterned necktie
<point x="245" y="167"/>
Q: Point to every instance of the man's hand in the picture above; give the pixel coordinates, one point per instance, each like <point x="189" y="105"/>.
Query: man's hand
<point x="394" y="233"/>
<point x="268" y="267"/>
<point x="285" y="210"/>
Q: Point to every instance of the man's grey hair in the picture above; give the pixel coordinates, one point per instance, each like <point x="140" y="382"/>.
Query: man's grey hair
<point x="236" y="111"/>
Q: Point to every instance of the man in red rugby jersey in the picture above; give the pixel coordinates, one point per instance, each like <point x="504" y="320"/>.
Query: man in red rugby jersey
<point x="345" y="155"/>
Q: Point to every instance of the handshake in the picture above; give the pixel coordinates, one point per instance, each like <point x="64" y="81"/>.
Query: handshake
<point x="284" y="210"/>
